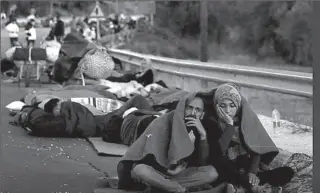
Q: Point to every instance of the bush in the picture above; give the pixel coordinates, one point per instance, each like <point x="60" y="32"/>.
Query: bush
<point x="262" y="30"/>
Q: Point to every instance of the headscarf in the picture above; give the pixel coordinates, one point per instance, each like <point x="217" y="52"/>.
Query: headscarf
<point x="228" y="91"/>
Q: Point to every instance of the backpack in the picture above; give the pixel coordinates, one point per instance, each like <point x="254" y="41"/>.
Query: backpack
<point x="42" y="124"/>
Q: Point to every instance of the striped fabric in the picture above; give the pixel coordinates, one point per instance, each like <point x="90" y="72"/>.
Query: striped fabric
<point x="106" y="105"/>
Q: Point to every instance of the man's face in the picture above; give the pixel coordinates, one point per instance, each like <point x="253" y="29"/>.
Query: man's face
<point x="56" y="109"/>
<point x="195" y="108"/>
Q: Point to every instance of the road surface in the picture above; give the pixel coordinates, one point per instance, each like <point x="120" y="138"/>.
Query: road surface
<point x="44" y="165"/>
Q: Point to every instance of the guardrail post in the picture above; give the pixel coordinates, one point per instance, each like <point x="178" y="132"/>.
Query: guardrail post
<point x="204" y="31"/>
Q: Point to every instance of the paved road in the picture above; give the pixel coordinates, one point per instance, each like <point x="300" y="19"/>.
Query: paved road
<point x="44" y="165"/>
<point x="40" y="165"/>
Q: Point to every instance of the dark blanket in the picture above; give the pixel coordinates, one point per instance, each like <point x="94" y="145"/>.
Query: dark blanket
<point x="80" y="122"/>
<point x="168" y="96"/>
<point x="72" y="50"/>
<point x="74" y="45"/>
<point x="255" y="136"/>
<point x="166" y="139"/>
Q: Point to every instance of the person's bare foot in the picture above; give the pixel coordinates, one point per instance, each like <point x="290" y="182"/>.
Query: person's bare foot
<point x="266" y="189"/>
<point x="230" y="189"/>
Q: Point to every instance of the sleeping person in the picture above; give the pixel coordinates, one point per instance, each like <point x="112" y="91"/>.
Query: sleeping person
<point x="81" y="121"/>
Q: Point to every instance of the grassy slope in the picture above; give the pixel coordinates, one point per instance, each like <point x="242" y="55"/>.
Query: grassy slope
<point x="188" y="48"/>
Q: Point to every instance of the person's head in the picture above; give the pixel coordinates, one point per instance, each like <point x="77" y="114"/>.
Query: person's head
<point x="228" y="98"/>
<point x="195" y="108"/>
<point x="58" y="17"/>
<point x="53" y="106"/>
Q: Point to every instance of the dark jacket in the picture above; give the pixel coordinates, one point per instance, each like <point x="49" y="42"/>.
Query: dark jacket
<point x="80" y="122"/>
<point x="59" y="28"/>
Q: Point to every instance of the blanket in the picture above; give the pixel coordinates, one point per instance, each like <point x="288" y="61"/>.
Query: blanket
<point x="75" y="46"/>
<point x="71" y="52"/>
<point x="127" y="89"/>
<point x="166" y="139"/>
<point x="255" y="136"/>
<point x="79" y="120"/>
<point x="68" y="92"/>
<point x="167" y="96"/>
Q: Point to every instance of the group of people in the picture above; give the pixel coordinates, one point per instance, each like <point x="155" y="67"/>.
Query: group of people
<point x="13" y="30"/>
<point x="57" y="30"/>
<point x="210" y="141"/>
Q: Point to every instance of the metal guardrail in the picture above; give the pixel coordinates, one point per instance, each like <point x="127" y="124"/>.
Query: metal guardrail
<point x="292" y="83"/>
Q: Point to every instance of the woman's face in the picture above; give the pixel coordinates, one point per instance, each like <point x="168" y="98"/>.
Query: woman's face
<point x="228" y="107"/>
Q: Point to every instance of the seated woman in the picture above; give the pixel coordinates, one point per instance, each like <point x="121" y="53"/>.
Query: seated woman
<point x="241" y="149"/>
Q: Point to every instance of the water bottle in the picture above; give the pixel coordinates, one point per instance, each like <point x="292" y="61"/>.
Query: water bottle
<point x="276" y="118"/>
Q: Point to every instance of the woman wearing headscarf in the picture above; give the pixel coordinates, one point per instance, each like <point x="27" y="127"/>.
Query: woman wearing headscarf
<point x="241" y="149"/>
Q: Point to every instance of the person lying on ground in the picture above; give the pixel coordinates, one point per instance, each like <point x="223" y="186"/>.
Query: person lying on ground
<point x="171" y="155"/>
<point x="240" y="148"/>
<point x="9" y="68"/>
<point x="127" y="123"/>
<point x="81" y="122"/>
<point x="144" y="77"/>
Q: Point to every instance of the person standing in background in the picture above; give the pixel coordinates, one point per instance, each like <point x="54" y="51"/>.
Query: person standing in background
<point x="59" y="29"/>
<point x="13" y="30"/>
<point x="11" y="13"/>
<point x="31" y="33"/>
<point x="73" y="25"/>
<point x="32" y="14"/>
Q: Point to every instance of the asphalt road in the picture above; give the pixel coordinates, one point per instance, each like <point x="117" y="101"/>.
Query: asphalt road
<point x="44" y="165"/>
<point x="40" y="165"/>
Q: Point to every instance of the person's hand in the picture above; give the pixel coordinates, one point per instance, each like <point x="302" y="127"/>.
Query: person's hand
<point x="192" y="136"/>
<point x="178" y="169"/>
<point x="193" y="122"/>
<point x="222" y="115"/>
<point x="253" y="179"/>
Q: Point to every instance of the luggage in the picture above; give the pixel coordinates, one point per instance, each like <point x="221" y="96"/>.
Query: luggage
<point x="23" y="54"/>
<point x="97" y="64"/>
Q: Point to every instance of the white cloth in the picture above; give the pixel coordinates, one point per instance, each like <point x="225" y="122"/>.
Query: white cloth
<point x="127" y="112"/>
<point x="15" y="105"/>
<point x="122" y="89"/>
<point x="3" y="16"/>
<point x="89" y="34"/>
<point x="52" y="49"/>
<point x="13" y="30"/>
<point x="33" y="33"/>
